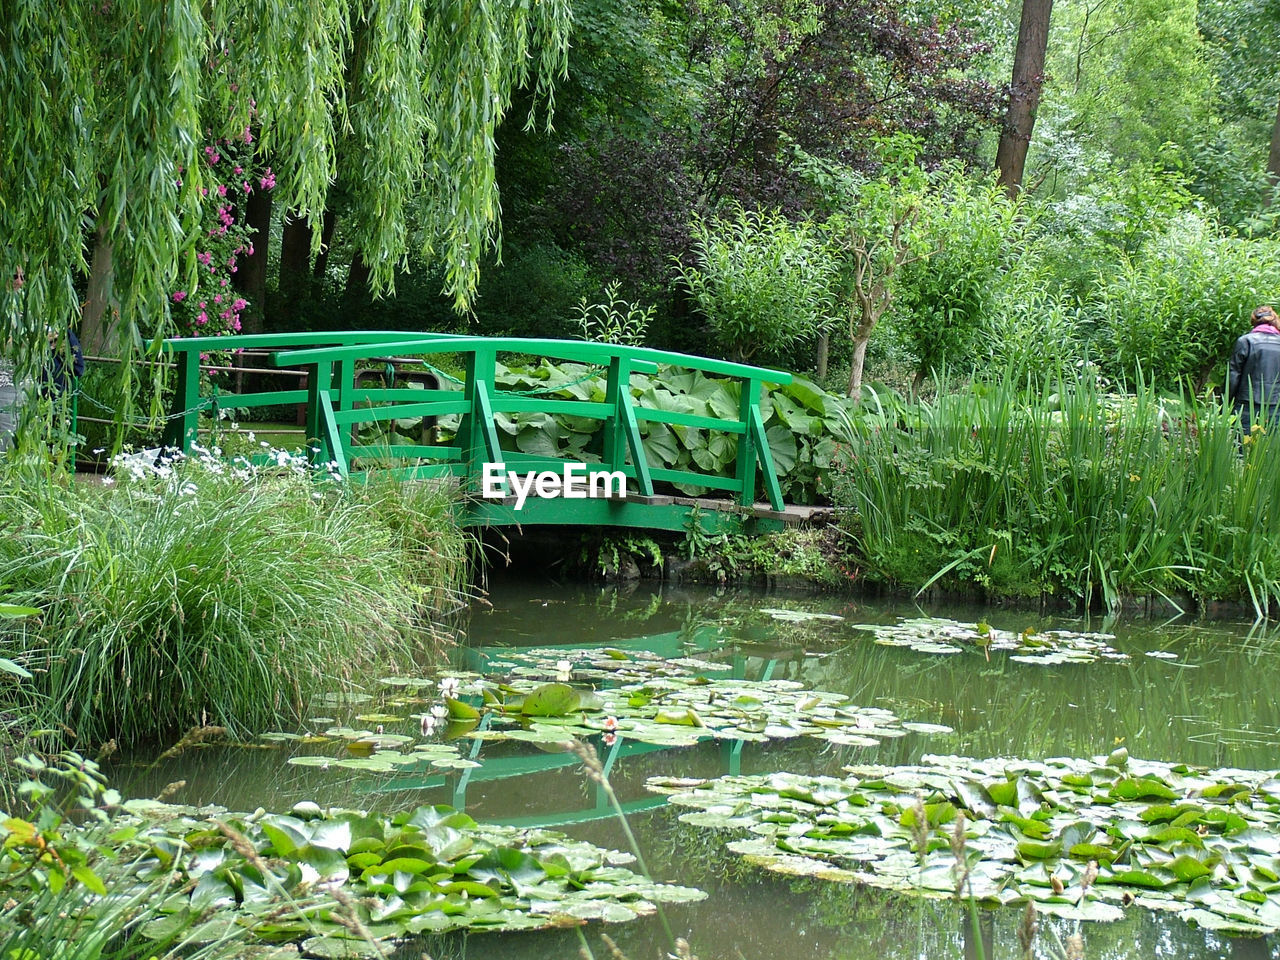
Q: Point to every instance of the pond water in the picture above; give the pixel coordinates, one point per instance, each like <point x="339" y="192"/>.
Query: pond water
<point x="1201" y="694"/>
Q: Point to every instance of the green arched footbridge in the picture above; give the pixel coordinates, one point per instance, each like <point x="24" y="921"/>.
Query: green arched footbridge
<point x="336" y="376"/>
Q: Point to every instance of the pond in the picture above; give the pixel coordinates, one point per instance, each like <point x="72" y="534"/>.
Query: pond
<point x="1189" y="693"/>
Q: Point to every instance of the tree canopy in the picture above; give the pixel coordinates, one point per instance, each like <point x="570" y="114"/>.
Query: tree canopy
<point x="106" y="107"/>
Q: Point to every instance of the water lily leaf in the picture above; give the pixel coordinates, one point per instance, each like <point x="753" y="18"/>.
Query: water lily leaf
<point x="553" y="700"/>
<point x="1036" y="850"/>
<point x="1146" y="788"/>
<point x="461" y="710"/>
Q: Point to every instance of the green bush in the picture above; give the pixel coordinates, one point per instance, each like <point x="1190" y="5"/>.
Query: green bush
<point x="945" y="302"/>
<point x="763" y="283"/>
<point x="1174" y="309"/>
<point x="201" y="591"/>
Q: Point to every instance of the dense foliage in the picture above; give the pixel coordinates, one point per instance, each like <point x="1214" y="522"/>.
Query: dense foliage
<point x="205" y="591"/>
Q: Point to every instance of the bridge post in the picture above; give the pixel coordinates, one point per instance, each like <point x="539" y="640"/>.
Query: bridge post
<point x="185" y="415"/>
<point x="319" y="382"/>
<point x="621" y="431"/>
<point x="476" y="433"/>
<point x="747" y="450"/>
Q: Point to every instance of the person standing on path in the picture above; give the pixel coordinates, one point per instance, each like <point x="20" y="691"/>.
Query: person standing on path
<point x="1253" y="372"/>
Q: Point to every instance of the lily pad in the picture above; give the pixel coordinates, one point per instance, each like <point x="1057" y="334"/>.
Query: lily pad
<point x="1078" y="838"/>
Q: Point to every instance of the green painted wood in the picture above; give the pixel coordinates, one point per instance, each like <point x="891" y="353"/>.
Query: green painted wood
<point x="598" y="353"/>
<point x="631" y="430"/>
<point x="335" y="405"/>
<point x="332" y="439"/>
<point x="688" y="420"/>
<point x="432" y="408"/>
<point x="267" y="398"/>
<point x="747" y="445"/>
<point x="772" y="489"/>
<point x="390" y="451"/>
<point x="614" y="513"/>
<point x="185" y="417"/>
<point x="402" y="394"/>
<point x="492" y="449"/>
<point x="570" y="408"/>
<point x="696" y="479"/>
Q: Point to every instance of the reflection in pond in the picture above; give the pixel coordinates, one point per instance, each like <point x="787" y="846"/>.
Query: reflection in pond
<point x="1184" y="693"/>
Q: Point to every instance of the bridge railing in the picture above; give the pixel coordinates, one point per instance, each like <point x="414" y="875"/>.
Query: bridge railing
<point x="336" y="405"/>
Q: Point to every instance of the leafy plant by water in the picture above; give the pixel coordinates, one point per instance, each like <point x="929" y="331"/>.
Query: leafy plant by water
<point x="347" y="883"/>
<point x="1067" y="490"/>
<point x="204" y="589"/>
<point x="1081" y="839"/>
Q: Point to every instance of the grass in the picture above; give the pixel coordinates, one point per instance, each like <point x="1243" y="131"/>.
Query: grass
<point x="203" y="593"/>
<point x="1068" y="490"/>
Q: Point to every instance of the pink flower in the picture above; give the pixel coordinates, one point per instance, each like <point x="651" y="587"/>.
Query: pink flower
<point x="239" y="303"/>
<point x="179" y="296"/>
<point x="205" y="257"/>
<point x="238" y="170"/>
<point x="268" y="180"/>
<point x="248" y="135"/>
<point x="202" y="318"/>
<point x="235" y="324"/>
<point x="201" y="304"/>
<point x="222" y="189"/>
<point x="217" y="298"/>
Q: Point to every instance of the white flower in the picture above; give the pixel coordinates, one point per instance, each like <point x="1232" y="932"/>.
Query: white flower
<point x="439" y="711"/>
<point x="450" y="687"/>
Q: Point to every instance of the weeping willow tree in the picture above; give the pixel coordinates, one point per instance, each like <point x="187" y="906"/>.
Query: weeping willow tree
<point x="106" y="106"/>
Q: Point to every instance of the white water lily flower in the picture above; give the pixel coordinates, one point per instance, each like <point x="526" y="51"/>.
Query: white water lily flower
<point x="450" y="687"/>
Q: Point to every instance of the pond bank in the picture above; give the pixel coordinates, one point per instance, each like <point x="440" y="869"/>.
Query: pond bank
<point x="813" y="559"/>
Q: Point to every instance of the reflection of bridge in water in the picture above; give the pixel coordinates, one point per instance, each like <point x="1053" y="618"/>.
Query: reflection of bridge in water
<point x="749" y="662"/>
<point x="342" y="393"/>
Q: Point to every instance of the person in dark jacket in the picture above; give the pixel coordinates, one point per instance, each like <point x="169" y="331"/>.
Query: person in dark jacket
<point x="1253" y="372"/>
<point x="53" y="379"/>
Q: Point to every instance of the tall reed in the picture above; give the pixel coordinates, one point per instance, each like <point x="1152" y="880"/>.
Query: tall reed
<point x="1067" y="489"/>
<point x="205" y="593"/>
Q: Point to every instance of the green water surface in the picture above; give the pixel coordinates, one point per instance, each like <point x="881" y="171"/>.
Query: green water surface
<point x="1208" y="696"/>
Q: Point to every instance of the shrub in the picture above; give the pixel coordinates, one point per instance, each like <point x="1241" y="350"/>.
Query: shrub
<point x="763" y="282"/>
<point x="1175" y="309"/>
<point x="200" y="591"/>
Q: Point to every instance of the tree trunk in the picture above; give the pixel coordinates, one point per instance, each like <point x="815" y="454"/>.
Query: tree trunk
<point x="1273" y="160"/>
<point x="326" y="238"/>
<point x="357" y="278"/>
<point x="251" y="277"/>
<point x="295" y="265"/>
<point x="824" y="349"/>
<point x="860" y="342"/>
<point x="96" y="317"/>
<point x="1024" y="93"/>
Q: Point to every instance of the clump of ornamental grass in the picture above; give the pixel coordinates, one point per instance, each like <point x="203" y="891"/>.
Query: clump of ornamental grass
<point x="1068" y="489"/>
<point x="198" y="591"/>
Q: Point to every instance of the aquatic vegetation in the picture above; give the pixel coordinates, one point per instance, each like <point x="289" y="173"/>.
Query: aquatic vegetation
<point x="1065" y="490"/>
<point x="204" y="589"/>
<point x="641" y="697"/>
<point x="348" y="883"/>
<point x="1081" y="839"/>
<point x="1047" y="647"/>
